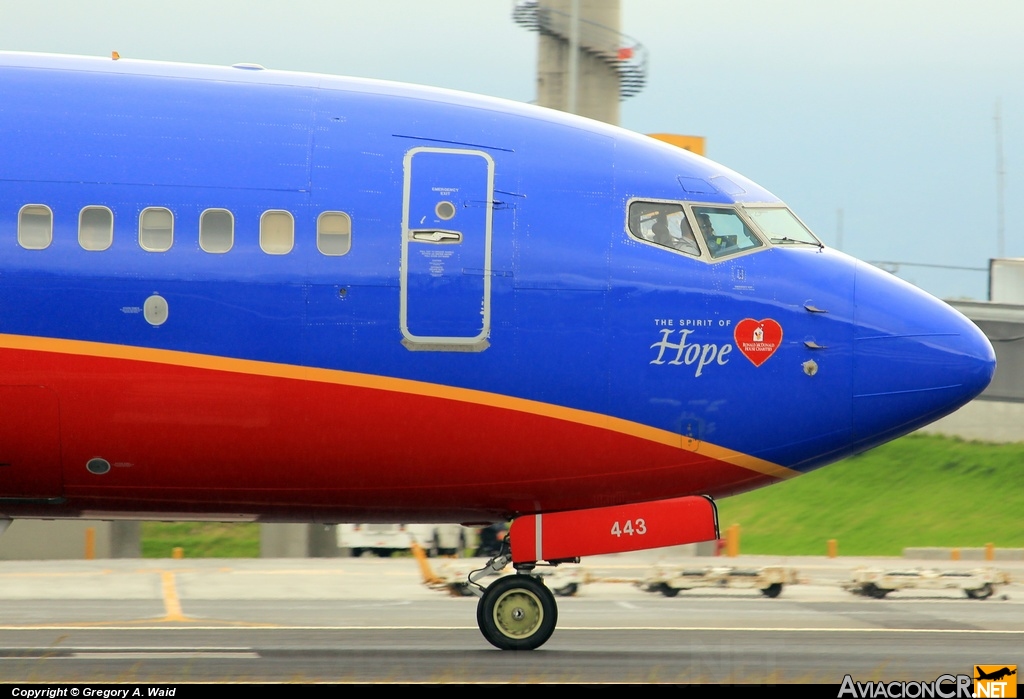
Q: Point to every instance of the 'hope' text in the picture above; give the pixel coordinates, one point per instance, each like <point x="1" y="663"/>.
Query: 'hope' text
<point x="701" y="355"/>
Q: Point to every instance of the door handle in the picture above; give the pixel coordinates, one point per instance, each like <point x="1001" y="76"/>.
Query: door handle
<point x="435" y="236"/>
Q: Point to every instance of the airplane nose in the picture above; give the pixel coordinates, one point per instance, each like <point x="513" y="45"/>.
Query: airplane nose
<point x="915" y="358"/>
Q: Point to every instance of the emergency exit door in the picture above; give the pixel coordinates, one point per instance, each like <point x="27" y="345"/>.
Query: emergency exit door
<point x="446" y="250"/>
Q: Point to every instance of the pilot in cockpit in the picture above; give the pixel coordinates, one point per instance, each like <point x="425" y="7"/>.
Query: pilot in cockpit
<point x="704" y="221"/>
<point x="684" y="240"/>
<point x="660" y="230"/>
<point x="673" y="231"/>
<point x="715" y="243"/>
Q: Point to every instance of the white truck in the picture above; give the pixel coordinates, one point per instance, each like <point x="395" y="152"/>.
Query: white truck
<point x="385" y="539"/>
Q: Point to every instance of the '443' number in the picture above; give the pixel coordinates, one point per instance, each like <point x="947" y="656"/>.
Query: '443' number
<point x="631" y="527"/>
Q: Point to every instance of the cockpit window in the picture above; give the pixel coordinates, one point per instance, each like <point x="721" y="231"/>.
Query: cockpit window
<point x="780" y="226"/>
<point x="663" y="223"/>
<point x="724" y="231"/>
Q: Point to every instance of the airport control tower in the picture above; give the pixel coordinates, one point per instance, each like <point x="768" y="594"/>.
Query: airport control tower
<point x="605" y="68"/>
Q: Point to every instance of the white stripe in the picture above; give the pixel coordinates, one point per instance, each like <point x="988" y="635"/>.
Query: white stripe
<point x="744" y="629"/>
<point x="163" y="655"/>
<point x="539" y="533"/>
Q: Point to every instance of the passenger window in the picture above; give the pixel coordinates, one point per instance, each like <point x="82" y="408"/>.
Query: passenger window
<point x="277" y="232"/>
<point x="156" y="229"/>
<point x="216" y="230"/>
<point x="724" y="231"/>
<point x="663" y="224"/>
<point x="35" y="227"/>
<point x="334" y="233"/>
<point x="95" y="228"/>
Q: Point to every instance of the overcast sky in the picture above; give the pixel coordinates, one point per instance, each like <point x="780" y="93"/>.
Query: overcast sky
<point x="881" y="108"/>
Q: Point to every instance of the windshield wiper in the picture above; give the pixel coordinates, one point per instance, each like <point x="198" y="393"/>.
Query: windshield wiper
<point x="788" y="241"/>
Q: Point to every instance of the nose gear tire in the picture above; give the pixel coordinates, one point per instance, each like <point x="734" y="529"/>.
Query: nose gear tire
<point x="517" y="612"/>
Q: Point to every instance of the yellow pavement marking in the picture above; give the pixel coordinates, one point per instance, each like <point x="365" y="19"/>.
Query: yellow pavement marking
<point x="172" y="604"/>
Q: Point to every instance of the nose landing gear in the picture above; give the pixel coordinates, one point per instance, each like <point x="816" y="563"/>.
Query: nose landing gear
<point x="517" y="612"/>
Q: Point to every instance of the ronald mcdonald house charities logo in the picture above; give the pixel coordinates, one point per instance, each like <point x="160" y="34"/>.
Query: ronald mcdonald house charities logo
<point x="988" y="681"/>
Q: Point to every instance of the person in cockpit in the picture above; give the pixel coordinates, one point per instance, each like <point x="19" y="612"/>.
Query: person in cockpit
<point x="686" y="241"/>
<point x="660" y="230"/>
<point x="673" y="231"/>
<point x="715" y="243"/>
<point x="704" y="221"/>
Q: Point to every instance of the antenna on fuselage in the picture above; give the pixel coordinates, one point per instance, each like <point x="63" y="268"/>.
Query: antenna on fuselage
<point x="839" y="228"/>
<point x="1000" y="185"/>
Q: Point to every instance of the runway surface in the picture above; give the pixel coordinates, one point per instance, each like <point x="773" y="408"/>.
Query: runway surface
<point x="374" y="620"/>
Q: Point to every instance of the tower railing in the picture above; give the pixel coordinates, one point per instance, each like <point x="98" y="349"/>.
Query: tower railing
<point x="624" y="54"/>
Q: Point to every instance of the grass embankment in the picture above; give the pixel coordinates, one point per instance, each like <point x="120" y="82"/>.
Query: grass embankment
<point x="916" y="491"/>
<point x="201" y="539"/>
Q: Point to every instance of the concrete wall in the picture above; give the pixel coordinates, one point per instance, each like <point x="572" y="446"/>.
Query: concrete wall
<point x="998" y="414"/>
<point x="983" y="421"/>
<point x="967" y="554"/>
<point x="1003" y="325"/>
<point x="34" y="539"/>
<point x="298" y="541"/>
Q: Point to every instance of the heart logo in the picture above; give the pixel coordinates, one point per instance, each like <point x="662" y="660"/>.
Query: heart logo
<point x="757" y="339"/>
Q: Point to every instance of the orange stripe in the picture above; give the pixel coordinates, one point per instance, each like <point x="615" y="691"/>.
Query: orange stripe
<point x="387" y="383"/>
